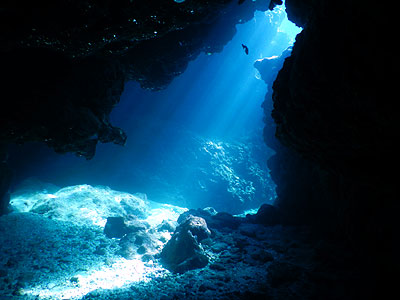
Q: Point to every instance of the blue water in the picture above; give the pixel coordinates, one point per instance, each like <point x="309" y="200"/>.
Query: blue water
<point x="197" y="142"/>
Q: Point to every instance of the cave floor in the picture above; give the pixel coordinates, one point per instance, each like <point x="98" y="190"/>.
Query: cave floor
<point x="42" y="258"/>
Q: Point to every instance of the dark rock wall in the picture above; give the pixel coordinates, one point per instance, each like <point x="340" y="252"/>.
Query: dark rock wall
<point x="65" y="63"/>
<point x="337" y="126"/>
<point x="5" y="179"/>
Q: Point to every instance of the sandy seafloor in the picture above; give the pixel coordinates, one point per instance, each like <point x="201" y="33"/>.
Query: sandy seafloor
<point x="53" y="247"/>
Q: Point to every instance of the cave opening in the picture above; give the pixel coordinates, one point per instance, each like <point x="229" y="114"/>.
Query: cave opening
<point x="196" y="144"/>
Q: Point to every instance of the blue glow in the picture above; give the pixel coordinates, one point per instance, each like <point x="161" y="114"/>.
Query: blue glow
<point x="220" y="95"/>
<point x="287" y="27"/>
<point x="216" y="101"/>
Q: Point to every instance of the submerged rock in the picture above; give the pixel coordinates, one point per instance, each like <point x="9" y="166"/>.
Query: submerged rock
<point x="184" y="251"/>
<point x="229" y="176"/>
<point x="267" y="215"/>
<point x="115" y="227"/>
<point x="167" y="226"/>
<point x="224" y="220"/>
<point x="219" y="221"/>
<point x="82" y="204"/>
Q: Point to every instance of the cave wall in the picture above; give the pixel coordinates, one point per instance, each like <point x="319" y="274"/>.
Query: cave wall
<point x="336" y="159"/>
<point x="65" y="63"/>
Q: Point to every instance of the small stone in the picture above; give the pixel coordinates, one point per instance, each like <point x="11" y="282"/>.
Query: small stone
<point x="115" y="227"/>
<point x="139" y="240"/>
<point x="141" y="250"/>
<point x="147" y="258"/>
<point x="210" y="210"/>
<point x="100" y="251"/>
<point x="51" y="285"/>
<point x="74" y="279"/>
<point x="18" y="292"/>
<point x="219" y="247"/>
<point x="217" y="267"/>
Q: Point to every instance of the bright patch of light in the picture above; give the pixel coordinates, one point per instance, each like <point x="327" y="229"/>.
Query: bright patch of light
<point x="120" y="274"/>
<point x="290" y="29"/>
<point x="81" y="204"/>
<point x="86" y="206"/>
<point x="252" y="211"/>
<point x="287" y="27"/>
<point x="161" y="212"/>
<point x="257" y="74"/>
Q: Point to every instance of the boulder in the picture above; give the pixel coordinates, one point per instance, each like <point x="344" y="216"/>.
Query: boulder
<point x="267" y="215"/>
<point x="197" y="227"/>
<point x="214" y="220"/>
<point x="224" y="220"/>
<point x="115" y="227"/>
<point x="81" y="204"/>
<point x="205" y="213"/>
<point x="134" y="224"/>
<point x="184" y="251"/>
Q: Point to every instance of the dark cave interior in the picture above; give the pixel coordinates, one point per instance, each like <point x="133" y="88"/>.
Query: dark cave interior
<point x="329" y="131"/>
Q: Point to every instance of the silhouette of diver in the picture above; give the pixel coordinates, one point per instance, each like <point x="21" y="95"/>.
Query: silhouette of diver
<point x="245" y="49"/>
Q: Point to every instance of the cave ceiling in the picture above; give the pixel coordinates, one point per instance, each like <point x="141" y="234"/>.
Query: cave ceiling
<point x="65" y="63"/>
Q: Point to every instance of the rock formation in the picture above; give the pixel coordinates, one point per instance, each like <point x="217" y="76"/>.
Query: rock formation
<point x="75" y="57"/>
<point x="184" y="252"/>
<point x="337" y="129"/>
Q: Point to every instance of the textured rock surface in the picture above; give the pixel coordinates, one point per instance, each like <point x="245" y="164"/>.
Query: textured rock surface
<point x="330" y="113"/>
<point x="327" y="108"/>
<point x="267" y="215"/>
<point x="230" y="176"/>
<point x="62" y="257"/>
<point x="115" y="227"/>
<point x="76" y="56"/>
<point x="184" y="252"/>
<point x="5" y="179"/>
<point x="83" y="203"/>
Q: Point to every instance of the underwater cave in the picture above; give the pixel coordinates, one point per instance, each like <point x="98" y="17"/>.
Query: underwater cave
<point x="190" y="149"/>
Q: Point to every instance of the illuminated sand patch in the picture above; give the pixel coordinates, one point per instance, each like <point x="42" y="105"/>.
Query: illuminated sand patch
<point x="72" y="256"/>
<point x="120" y="274"/>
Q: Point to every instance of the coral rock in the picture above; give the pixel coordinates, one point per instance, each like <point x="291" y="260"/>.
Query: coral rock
<point x="184" y="252"/>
